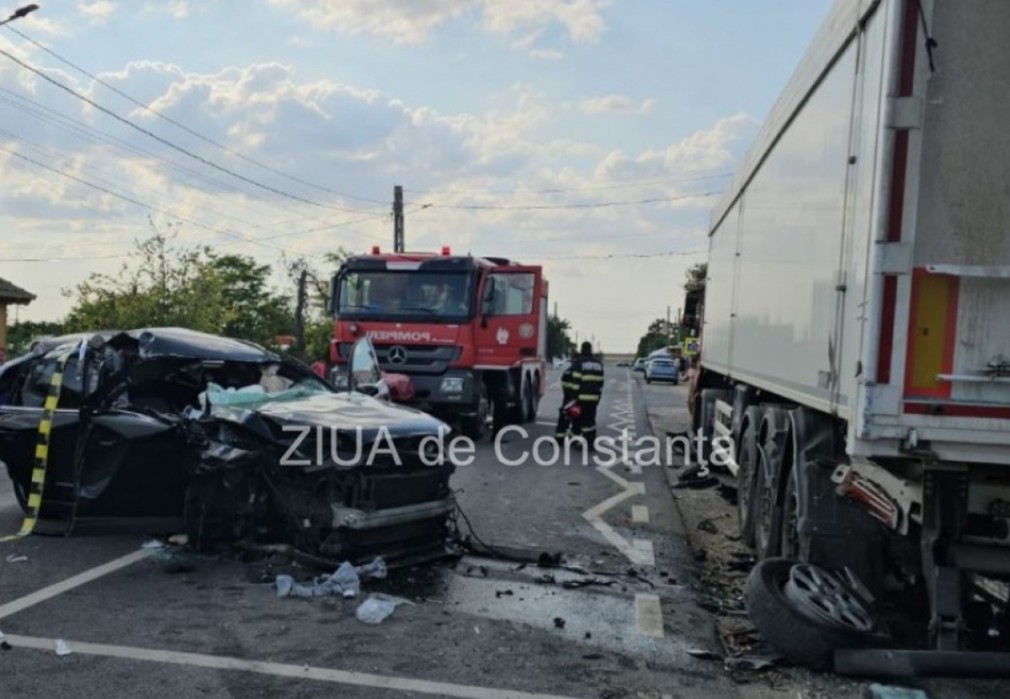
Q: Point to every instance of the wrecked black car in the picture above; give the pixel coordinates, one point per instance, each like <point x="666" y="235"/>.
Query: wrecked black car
<point x="240" y="443"/>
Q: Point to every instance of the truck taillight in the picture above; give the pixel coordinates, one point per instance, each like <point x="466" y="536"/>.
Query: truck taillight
<point x="375" y="249"/>
<point x="446" y="250"/>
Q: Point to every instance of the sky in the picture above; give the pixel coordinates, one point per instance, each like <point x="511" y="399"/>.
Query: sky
<point x="592" y="137"/>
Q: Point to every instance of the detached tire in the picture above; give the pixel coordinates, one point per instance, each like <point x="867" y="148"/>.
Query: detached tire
<point x="801" y="639"/>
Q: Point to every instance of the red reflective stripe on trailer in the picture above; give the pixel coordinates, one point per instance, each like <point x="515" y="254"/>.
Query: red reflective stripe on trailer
<point x="887" y="315"/>
<point x="958" y="410"/>
<point x="896" y="205"/>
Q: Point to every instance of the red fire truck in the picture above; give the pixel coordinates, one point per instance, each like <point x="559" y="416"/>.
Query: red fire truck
<point x="470" y="333"/>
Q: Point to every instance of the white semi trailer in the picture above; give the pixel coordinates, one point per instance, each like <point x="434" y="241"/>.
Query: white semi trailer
<point x="856" y="332"/>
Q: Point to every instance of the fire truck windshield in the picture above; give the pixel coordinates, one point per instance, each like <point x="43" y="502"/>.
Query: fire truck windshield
<point x="386" y="293"/>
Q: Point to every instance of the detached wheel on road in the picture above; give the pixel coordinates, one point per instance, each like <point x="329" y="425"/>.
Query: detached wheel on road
<point x="806" y="612"/>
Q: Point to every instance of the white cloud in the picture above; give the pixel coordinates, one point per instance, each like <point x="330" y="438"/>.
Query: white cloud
<point x="615" y="104"/>
<point x="710" y="150"/>
<point x="97" y="12"/>
<point x="411" y="21"/>
<point x="547" y="54"/>
<point x="179" y="10"/>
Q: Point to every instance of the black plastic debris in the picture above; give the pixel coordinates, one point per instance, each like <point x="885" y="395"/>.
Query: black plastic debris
<point x="753" y="662"/>
<point x="593" y="656"/>
<point x="559" y="623"/>
<point x="707" y="525"/>
<point x="503" y="593"/>
<point x="549" y="560"/>
<point x="696" y="483"/>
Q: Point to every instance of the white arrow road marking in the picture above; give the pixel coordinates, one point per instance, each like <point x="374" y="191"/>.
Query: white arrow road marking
<point x="638" y="551"/>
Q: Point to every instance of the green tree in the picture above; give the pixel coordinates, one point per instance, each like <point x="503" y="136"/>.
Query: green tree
<point x="195" y="288"/>
<point x="659" y="334"/>
<point x="20" y="335"/>
<point x="696" y="276"/>
<point x="559" y="343"/>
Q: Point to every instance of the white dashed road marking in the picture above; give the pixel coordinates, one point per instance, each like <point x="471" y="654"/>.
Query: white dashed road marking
<point x="639" y="514"/>
<point x="59" y="588"/>
<point x="305" y="672"/>
<point x="649" y="615"/>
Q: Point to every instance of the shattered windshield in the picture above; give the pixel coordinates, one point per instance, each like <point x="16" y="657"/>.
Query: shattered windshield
<point x="405" y="293"/>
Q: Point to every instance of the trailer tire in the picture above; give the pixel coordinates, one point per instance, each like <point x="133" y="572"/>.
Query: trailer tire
<point x="746" y="476"/>
<point x="706" y="421"/>
<point x="768" y="482"/>
<point x="802" y="639"/>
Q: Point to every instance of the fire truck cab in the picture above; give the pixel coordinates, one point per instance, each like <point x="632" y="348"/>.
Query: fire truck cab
<point x="469" y="333"/>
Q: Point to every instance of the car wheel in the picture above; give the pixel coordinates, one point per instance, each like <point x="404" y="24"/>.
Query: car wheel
<point x="805" y="612"/>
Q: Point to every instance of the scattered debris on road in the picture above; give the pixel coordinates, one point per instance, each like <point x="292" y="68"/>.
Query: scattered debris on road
<point x="378" y="607"/>
<point x="62" y="648"/>
<point x="16" y="558"/>
<point x="345" y="581"/>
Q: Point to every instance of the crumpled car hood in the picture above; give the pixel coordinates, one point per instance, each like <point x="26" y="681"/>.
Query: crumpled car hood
<point x="344" y="411"/>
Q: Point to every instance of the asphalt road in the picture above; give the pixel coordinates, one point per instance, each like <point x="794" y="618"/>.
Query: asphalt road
<point x="139" y="624"/>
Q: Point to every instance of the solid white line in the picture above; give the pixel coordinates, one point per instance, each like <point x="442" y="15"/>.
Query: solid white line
<point x="319" y="674"/>
<point x="648" y="615"/>
<point x="59" y="588"/>
<point x="639" y="513"/>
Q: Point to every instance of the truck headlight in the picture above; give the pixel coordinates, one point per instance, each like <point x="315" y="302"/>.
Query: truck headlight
<point x="452" y="384"/>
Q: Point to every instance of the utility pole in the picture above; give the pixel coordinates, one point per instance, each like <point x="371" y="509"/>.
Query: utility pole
<point x="397" y="218"/>
<point x="300" y="302"/>
<point x="555" y="309"/>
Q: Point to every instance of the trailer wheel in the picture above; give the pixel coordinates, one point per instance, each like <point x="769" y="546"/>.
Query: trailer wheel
<point x="805" y="612"/>
<point x="767" y="484"/>
<point x="706" y="421"/>
<point x="790" y="546"/>
<point x="746" y="476"/>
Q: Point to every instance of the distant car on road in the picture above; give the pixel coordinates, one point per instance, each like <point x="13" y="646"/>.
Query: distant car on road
<point x="624" y="364"/>
<point x="638" y="365"/>
<point x="660" y="369"/>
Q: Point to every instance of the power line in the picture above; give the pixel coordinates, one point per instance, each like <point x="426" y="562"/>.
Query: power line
<point x="562" y="190"/>
<point x="187" y="129"/>
<point x="170" y="144"/>
<point x="616" y="255"/>
<point x="586" y="205"/>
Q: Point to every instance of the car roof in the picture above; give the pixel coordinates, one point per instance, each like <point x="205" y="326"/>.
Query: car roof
<point x="170" y="342"/>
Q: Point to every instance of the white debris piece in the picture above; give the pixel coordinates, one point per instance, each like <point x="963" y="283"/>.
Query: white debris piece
<point x="62" y="648"/>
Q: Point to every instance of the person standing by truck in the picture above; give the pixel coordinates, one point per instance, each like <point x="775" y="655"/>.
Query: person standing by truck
<point x="569" y="397"/>
<point x="587" y="372"/>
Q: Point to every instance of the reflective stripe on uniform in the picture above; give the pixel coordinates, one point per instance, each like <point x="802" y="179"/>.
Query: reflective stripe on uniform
<point x="589" y="397"/>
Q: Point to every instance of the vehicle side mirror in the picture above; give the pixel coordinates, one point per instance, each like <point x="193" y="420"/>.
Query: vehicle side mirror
<point x="487" y="302"/>
<point x="363" y="369"/>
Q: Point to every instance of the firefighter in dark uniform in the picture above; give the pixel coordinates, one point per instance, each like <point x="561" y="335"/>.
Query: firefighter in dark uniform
<point x="570" y="390"/>
<point x="587" y="371"/>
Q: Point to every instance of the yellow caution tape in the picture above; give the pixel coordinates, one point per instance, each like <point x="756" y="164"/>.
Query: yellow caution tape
<point x="38" y="479"/>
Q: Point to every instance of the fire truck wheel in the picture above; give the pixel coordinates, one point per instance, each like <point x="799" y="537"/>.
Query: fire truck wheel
<point x="475" y="426"/>
<point x="531" y="415"/>
<point x="518" y="413"/>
